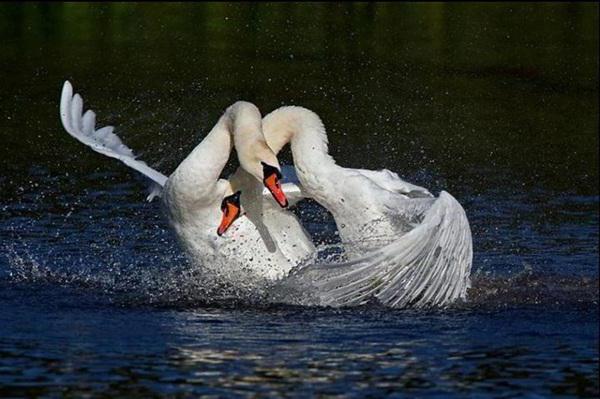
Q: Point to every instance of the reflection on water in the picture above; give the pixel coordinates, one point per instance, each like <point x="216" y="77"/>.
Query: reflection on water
<point x="280" y="350"/>
<point x="496" y="103"/>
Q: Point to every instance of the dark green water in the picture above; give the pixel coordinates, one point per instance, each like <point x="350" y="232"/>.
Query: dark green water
<point x="495" y="103"/>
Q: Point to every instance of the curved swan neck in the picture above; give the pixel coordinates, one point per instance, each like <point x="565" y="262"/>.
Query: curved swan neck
<point x="240" y="124"/>
<point x="305" y="131"/>
<point x="198" y="173"/>
<point x="250" y="144"/>
<point x="245" y="120"/>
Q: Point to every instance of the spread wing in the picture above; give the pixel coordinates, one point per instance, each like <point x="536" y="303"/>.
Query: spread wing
<point x="82" y="126"/>
<point x="427" y="267"/>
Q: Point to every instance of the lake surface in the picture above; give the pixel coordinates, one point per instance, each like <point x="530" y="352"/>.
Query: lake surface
<point x="496" y="104"/>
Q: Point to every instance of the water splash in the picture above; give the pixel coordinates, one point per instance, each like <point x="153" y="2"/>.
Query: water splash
<point x="179" y="283"/>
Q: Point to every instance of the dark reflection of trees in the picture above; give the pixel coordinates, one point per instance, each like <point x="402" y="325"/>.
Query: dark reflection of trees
<point x="442" y="78"/>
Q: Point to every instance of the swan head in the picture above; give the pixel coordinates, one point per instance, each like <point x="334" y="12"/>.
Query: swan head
<point x="263" y="165"/>
<point x="255" y="156"/>
<point x="231" y="210"/>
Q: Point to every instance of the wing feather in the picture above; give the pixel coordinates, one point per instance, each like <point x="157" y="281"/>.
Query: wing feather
<point x="427" y="267"/>
<point x="390" y="181"/>
<point x="103" y="140"/>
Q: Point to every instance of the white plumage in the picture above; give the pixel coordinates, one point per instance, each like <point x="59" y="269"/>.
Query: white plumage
<point x="264" y="244"/>
<point x="405" y="246"/>
<point x="410" y="248"/>
<point x="83" y="128"/>
<point x="428" y="266"/>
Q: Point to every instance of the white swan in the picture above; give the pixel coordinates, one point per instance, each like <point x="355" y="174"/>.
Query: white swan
<point x="195" y="196"/>
<point x="419" y="248"/>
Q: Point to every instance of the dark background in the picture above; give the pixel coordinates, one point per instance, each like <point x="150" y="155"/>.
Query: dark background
<point x="481" y="95"/>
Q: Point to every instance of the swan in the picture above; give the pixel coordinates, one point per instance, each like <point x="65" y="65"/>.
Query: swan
<point x="416" y="250"/>
<point x="202" y="208"/>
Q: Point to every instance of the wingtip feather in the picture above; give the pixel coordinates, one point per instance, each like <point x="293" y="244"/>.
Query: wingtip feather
<point x="82" y="127"/>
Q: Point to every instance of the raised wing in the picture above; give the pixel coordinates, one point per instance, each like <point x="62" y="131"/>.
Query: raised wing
<point x="82" y="127"/>
<point x="427" y="267"/>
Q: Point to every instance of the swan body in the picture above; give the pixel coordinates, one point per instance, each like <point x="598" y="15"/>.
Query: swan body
<point x="193" y="193"/>
<point x="407" y="247"/>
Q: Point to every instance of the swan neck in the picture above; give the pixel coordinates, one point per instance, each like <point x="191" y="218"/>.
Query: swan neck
<point x="244" y="119"/>
<point x="198" y="173"/>
<point x="305" y="132"/>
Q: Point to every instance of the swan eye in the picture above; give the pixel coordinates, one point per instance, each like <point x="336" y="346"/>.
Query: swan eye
<point x="233" y="199"/>
<point x="269" y="170"/>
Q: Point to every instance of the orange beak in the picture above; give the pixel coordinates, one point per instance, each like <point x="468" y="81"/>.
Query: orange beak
<point x="274" y="186"/>
<point x="231" y="211"/>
